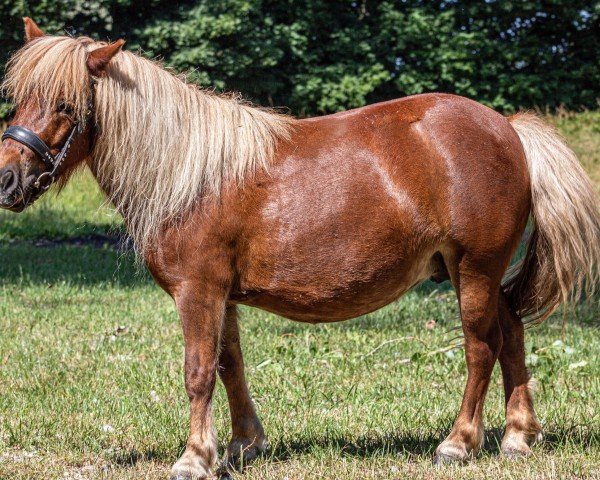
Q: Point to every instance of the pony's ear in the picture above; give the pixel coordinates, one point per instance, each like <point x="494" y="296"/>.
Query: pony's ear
<point x="98" y="59"/>
<point x="32" y="31"/>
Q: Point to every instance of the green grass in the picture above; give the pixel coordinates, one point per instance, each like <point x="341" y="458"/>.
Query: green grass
<point x="87" y="344"/>
<point x="582" y="130"/>
<point x="78" y="211"/>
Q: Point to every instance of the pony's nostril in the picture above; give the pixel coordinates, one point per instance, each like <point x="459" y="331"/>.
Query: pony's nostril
<point x="8" y="181"/>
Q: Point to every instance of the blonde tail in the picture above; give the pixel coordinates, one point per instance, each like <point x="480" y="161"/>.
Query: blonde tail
<point x="563" y="254"/>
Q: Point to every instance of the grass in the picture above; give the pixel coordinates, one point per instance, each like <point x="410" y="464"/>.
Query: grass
<point x="582" y="130"/>
<point x="91" y="381"/>
<point x="79" y="211"/>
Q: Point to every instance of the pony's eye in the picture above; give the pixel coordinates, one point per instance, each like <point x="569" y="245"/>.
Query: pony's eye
<point x="65" y="108"/>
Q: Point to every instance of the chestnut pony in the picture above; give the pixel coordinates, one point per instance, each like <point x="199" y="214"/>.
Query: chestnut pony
<point x="317" y="220"/>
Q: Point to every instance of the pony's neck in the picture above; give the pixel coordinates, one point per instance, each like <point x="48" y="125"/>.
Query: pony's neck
<point x="162" y="144"/>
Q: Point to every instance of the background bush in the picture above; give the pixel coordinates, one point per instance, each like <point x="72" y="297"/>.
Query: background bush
<point x="318" y="56"/>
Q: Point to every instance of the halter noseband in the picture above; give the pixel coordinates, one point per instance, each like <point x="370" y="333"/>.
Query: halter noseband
<point x="53" y="163"/>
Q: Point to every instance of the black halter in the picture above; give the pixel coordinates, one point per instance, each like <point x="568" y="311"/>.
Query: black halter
<point x="53" y="163"/>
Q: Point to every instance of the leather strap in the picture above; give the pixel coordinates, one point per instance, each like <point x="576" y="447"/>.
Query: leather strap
<point x="28" y="138"/>
<point x="53" y="163"/>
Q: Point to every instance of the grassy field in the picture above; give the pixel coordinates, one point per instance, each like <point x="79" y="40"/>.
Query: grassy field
<point x="91" y="378"/>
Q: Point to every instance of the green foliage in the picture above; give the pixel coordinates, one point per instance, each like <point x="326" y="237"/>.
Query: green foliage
<point x="318" y="56"/>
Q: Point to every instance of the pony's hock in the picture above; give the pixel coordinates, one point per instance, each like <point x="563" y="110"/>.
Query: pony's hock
<point x="322" y="219"/>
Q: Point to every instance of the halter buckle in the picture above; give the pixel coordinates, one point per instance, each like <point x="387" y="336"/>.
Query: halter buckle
<point x="44" y="181"/>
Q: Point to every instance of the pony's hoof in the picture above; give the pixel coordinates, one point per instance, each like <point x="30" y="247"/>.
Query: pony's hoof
<point x="241" y="452"/>
<point x="514" y="454"/>
<point x="447" y="454"/>
<point x="517" y="445"/>
<point x="513" y="449"/>
<point x="443" y="459"/>
<point x="189" y="476"/>
<point x="193" y="466"/>
<point x="181" y="476"/>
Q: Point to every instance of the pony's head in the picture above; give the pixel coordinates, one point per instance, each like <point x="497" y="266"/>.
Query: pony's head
<point x="51" y="81"/>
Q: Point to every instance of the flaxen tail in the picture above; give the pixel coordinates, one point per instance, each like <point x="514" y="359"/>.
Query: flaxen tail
<point x="562" y="261"/>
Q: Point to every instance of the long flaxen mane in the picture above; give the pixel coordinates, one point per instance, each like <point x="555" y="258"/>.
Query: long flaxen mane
<point x="162" y="144"/>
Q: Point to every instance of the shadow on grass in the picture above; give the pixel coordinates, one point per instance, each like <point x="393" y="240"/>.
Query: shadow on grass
<point x="410" y="445"/>
<point x="26" y="264"/>
<point x="371" y="446"/>
<point x="43" y="222"/>
<point x="415" y="445"/>
<point x="363" y="447"/>
<point x="131" y="457"/>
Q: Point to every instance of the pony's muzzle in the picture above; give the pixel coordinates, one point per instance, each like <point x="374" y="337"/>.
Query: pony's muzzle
<point x="18" y="171"/>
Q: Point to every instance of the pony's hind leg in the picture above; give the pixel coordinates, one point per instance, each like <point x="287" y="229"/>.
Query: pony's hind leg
<point x="522" y="428"/>
<point x="248" y="437"/>
<point x="478" y="299"/>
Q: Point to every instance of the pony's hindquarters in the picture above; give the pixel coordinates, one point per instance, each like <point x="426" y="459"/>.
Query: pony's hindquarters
<point x="563" y="253"/>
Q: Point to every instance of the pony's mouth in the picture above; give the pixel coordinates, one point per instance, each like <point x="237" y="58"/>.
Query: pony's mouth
<point x="20" y="201"/>
<point x="18" y="207"/>
<point x="15" y="205"/>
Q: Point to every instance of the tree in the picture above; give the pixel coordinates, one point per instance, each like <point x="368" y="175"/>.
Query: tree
<point x="318" y="56"/>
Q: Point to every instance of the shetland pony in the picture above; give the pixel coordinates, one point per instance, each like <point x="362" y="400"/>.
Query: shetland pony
<point x="317" y="220"/>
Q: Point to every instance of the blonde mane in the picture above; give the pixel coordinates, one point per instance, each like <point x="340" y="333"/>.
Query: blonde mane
<point x="162" y="143"/>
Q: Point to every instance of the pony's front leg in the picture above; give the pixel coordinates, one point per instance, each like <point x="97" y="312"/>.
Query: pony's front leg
<point x="202" y="310"/>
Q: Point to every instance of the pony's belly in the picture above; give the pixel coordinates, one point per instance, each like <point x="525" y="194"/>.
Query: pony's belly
<point x="322" y="311"/>
<point x="321" y="301"/>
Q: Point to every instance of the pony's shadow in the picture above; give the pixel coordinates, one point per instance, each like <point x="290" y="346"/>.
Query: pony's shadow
<point x="415" y="445"/>
<point x="130" y="458"/>
<point x="412" y="446"/>
<point x="368" y="446"/>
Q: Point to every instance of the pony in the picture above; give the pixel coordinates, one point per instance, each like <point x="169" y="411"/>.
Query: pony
<point x="317" y="220"/>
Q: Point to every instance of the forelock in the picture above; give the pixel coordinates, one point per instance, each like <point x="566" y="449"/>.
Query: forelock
<point x="49" y="70"/>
